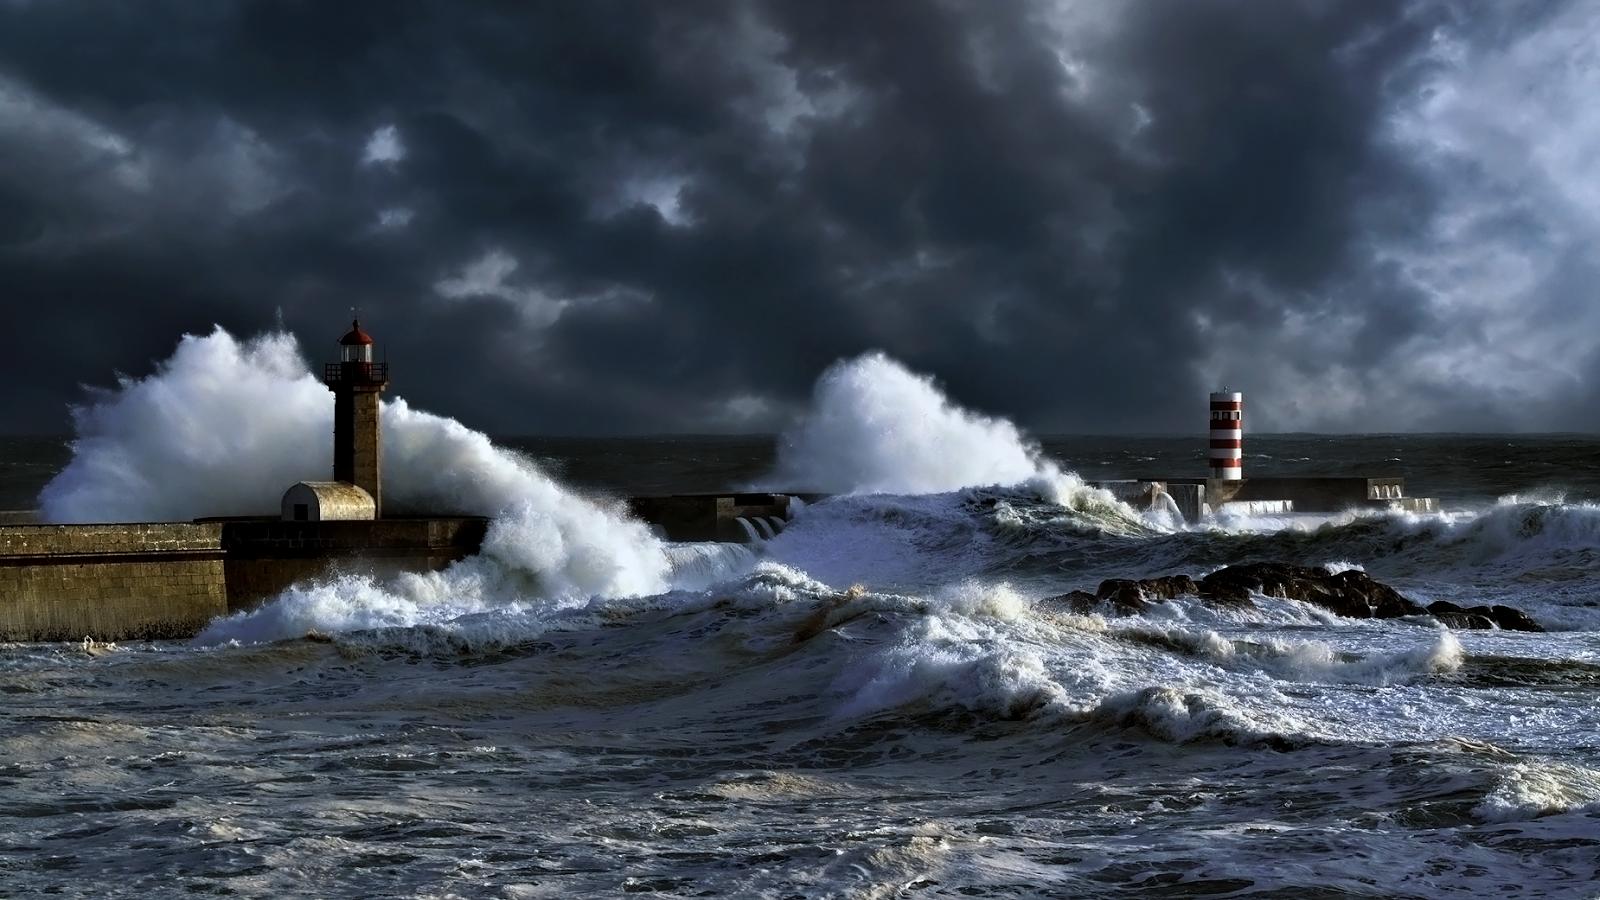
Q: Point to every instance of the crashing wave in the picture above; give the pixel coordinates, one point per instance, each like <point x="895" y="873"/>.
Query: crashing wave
<point x="876" y="427"/>
<point x="223" y="426"/>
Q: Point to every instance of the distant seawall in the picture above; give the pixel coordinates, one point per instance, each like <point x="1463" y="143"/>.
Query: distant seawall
<point x="167" y="580"/>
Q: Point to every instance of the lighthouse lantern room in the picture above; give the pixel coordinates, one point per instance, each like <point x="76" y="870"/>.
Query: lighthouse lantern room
<point x="356" y="346"/>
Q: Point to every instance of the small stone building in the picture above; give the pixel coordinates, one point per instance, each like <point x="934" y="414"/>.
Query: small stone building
<point x="327" y="501"/>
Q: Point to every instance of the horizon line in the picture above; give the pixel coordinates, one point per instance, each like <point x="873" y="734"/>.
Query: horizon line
<point x="1043" y="435"/>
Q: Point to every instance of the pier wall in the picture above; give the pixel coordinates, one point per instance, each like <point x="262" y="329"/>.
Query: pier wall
<point x="110" y="582"/>
<point x="1194" y="497"/>
<point x="263" y="557"/>
<point x="1309" y="494"/>
<point x="710" y="517"/>
<point x="167" y="580"/>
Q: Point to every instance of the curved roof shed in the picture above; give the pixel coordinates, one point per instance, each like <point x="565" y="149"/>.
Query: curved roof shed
<point x="327" y="501"/>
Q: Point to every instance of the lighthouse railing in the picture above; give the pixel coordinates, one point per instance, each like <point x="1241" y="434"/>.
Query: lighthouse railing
<point x="355" y="373"/>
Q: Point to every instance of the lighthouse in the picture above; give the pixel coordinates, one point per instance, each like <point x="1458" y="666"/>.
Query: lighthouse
<point x="1227" y="436"/>
<point x="357" y="382"/>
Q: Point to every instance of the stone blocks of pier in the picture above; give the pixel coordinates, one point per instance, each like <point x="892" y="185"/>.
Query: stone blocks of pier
<point x="1329" y="493"/>
<point x="1194" y="497"/>
<point x="167" y="580"/>
<point x="265" y="556"/>
<point x="708" y="517"/>
<point x="110" y="582"/>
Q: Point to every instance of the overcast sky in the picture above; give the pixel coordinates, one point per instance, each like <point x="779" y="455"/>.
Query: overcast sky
<point x="623" y="217"/>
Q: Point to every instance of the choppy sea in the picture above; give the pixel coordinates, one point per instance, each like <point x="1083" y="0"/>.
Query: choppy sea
<point x="873" y="703"/>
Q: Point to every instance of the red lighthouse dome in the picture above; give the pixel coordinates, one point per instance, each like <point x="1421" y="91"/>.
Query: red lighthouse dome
<point x="356" y="337"/>
<point x="357" y="345"/>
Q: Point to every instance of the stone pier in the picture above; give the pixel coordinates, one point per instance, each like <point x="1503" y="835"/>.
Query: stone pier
<point x="1195" y="497"/>
<point x="110" y="582"/>
<point x="712" y="517"/>
<point x="167" y="580"/>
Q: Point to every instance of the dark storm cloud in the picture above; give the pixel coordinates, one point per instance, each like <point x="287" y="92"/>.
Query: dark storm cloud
<point x="607" y="216"/>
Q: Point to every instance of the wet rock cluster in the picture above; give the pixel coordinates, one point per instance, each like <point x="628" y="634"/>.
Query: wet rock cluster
<point x="1351" y="593"/>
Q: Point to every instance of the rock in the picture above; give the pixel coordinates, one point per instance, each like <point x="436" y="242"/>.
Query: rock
<point x="1168" y="587"/>
<point x="1127" y="596"/>
<point x="1454" y="616"/>
<point x="1512" y="619"/>
<point x="1123" y="594"/>
<point x="1351" y="593"/>
<point x="1480" y="617"/>
<point x="1080" y="602"/>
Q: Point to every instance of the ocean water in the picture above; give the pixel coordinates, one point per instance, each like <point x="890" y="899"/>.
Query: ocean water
<point x="875" y="703"/>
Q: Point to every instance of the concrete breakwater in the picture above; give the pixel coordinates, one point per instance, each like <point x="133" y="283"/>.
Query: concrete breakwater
<point x="1194" y="498"/>
<point x="110" y="582"/>
<point x="167" y="580"/>
<point x="728" y="517"/>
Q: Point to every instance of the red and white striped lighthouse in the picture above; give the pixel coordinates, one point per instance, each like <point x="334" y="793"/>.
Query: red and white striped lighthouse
<point x="1227" y="435"/>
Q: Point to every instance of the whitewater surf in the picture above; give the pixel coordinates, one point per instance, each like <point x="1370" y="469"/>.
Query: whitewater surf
<point x="876" y="700"/>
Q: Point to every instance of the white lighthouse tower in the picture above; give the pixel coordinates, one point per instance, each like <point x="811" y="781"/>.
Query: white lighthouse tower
<point x="1227" y="435"/>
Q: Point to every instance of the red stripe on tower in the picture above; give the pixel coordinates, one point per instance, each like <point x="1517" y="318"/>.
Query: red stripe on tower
<point x="1226" y="453"/>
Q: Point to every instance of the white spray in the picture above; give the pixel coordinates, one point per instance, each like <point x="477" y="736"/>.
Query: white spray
<point x="875" y="427"/>
<point x="220" y="429"/>
<point x="223" y="427"/>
